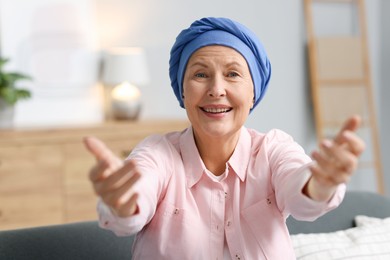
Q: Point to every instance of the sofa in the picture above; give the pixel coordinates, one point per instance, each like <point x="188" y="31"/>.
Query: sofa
<point x="85" y="240"/>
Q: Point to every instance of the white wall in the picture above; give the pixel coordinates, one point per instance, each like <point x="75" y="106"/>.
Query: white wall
<point x="54" y="42"/>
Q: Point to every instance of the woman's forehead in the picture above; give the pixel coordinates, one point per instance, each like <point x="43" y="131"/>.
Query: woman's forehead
<point x="219" y="52"/>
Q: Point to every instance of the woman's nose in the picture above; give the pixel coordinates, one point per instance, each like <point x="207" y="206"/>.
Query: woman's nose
<point x="217" y="87"/>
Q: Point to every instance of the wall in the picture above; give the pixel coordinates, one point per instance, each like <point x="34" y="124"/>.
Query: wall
<point x="54" y="42"/>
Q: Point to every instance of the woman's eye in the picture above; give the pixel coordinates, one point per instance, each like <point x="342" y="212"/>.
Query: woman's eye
<point x="200" y="75"/>
<point x="232" y="74"/>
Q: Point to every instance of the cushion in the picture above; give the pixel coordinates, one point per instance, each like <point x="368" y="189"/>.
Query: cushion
<point x="362" y="220"/>
<point x="369" y="240"/>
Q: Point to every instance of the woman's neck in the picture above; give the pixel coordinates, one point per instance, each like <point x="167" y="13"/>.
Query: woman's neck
<point x="215" y="152"/>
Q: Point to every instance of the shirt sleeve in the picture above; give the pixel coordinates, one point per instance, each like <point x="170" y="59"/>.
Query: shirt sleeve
<point x="302" y="207"/>
<point x="290" y="172"/>
<point x="120" y="226"/>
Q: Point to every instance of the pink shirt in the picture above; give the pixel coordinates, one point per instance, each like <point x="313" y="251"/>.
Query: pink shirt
<point x="186" y="214"/>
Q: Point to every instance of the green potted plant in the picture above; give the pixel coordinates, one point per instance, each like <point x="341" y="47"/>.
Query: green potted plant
<point x="10" y="94"/>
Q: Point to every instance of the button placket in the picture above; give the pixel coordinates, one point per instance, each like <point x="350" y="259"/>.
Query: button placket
<point x="221" y="196"/>
<point x="217" y="220"/>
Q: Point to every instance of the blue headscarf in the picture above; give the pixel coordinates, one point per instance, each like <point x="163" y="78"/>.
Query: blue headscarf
<point x="225" y="32"/>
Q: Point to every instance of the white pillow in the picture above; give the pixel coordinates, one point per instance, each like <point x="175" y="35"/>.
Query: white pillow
<point x="371" y="241"/>
<point x="362" y="220"/>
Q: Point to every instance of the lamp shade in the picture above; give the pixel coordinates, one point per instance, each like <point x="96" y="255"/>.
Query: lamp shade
<point x="125" y="64"/>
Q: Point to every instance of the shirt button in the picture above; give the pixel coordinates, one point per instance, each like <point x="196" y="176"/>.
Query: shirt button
<point x="238" y="256"/>
<point x="225" y="194"/>
<point x="176" y="211"/>
<point x="228" y="223"/>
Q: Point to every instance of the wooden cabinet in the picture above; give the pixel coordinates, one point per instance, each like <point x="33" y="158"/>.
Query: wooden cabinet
<point x="44" y="173"/>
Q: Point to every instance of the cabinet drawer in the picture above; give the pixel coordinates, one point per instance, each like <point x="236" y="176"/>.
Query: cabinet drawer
<point x="32" y="209"/>
<point x="30" y="186"/>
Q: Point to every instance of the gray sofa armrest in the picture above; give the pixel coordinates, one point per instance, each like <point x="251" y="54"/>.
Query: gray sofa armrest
<point x="84" y="240"/>
<point x="355" y="203"/>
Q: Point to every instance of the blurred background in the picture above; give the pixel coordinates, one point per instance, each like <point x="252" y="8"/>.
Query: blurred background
<point x="63" y="44"/>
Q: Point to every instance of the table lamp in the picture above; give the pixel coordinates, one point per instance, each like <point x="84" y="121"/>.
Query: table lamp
<point x="124" y="70"/>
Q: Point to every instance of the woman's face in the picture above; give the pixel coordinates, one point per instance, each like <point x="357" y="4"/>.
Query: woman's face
<point x="218" y="91"/>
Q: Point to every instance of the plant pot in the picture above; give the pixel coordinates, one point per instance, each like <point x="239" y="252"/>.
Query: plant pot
<point x="6" y="115"/>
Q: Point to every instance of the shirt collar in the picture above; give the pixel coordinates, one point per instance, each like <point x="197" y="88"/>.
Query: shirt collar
<point x="194" y="166"/>
<point x="239" y="160"/>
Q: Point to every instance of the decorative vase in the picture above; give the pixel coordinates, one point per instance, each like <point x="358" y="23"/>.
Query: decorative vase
<point x="6" y="114"/>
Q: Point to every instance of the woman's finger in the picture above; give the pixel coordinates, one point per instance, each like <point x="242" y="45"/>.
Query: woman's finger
<point x="338" y="157"/>
<point x="351" y="124"/>
<point x="116" y="179"/>
<point x="322" y="161"/>
<point x="128" y="208"/>
<point x="107" y="161"/>
<point x="99" y="171"/>
<point x="97" y="148"/>
<point x="116" y="198"/>
<point x="325" y="178"/>
<point x="354" y="143"/>
<point x="100" y="151"/>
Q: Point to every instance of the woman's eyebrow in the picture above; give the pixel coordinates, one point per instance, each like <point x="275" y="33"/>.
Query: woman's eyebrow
<point x="234" y="63"/>
<point x="198" y="63"/>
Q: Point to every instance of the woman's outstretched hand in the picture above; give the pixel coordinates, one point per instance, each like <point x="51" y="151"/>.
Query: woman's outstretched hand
<point x="113" y="179"/>
<point x="336" y="161"/>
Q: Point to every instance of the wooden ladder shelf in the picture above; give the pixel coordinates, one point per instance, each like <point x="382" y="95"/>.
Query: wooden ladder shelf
<point x="341" y="79"/>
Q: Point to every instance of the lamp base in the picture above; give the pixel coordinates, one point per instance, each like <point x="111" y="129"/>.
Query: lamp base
<point x="125" y="110"/>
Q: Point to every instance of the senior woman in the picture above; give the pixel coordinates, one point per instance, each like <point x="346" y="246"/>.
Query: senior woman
<point x="218" y="190"/>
